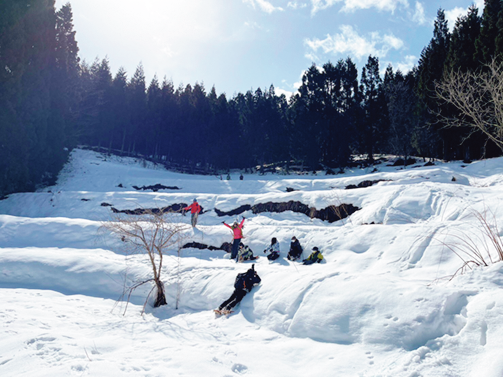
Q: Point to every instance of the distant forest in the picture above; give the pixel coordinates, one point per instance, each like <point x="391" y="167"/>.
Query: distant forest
<point x="50" y="102"/>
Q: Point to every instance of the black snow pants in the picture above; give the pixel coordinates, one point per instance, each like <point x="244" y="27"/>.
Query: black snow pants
<point x="232" y="301"/>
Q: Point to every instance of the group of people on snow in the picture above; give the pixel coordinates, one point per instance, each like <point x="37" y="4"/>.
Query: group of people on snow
<point x="240" y="252"/>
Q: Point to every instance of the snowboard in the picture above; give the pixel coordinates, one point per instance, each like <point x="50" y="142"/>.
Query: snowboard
<point x="219" y="313"/>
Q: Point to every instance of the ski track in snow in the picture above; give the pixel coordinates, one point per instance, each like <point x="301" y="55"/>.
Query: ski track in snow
<point x="379" y="305"/>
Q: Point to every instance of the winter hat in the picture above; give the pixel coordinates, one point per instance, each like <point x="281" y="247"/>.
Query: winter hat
<point x="195" y="200"/>
<point x="315" y="249"/>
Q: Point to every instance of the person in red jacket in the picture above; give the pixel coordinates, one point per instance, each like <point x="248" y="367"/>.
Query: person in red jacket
<point x="237" y="231"/>
<point x="195" y="208"/>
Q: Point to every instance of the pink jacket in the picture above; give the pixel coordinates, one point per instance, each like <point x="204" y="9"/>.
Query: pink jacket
<point x="238" y="231"/>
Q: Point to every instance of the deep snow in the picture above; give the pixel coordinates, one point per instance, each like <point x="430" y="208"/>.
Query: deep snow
<point x="381" y="305"/>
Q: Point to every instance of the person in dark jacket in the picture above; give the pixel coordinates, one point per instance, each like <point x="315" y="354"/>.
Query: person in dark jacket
<point x="295" y="249"/>
<point x="243" y="284"/>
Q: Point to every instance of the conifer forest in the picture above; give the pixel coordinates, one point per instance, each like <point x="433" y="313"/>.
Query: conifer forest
<point x="51" y="101"/>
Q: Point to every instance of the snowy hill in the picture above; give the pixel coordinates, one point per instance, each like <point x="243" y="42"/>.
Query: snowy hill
<point x="381" y="305"/>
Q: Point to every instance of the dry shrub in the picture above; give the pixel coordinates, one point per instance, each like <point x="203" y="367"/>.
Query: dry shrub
<point x="477" y="247"/>
<point x="150" y="234"/>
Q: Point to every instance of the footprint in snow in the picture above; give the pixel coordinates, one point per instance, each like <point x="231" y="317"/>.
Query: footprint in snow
<point x="239" y="368"/>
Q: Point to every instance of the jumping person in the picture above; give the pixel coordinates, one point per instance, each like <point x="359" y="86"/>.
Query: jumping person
<point x="237" y="232"/>
<point x="242" y="285"/>
<point x="315" y="257"/>
<point x="274" y="249"/>
<point x="295" y="249"/>
<point x="195" y="208"/>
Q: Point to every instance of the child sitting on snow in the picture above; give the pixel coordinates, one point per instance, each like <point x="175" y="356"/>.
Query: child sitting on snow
<point x="274" y="249"/>
<point x="295" y="249"/>
<point x="245" y="253"/>
<point x="315" y="257"/>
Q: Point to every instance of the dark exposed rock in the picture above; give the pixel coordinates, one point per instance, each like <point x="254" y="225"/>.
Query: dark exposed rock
<point x="226" y="246"/>
<point x="156" y="187"/>
<point x="142" y="211"/>
<point x="290" y="189"/>
<point x="329" y="214"/>
<point x="365" y="184"/>
<point x="234" y="212"/>
<point x="106" y="204"/>
<point x="402" y="162"/>
<point x="85" y="200"/>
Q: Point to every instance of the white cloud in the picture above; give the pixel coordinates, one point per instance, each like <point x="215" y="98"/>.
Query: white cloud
<point x="296" y="5"/>
<point x="287" y="93"/>
<point x="407" y="64"/>
<point x="382" y="5"/>
<point x="453" y="14"/>
<point x="322" y="4"/>
<point x="353" y="5"/>
<point x="419" y="16"/>
<point x="263" y="5"/>
<point x="349" y="42"/>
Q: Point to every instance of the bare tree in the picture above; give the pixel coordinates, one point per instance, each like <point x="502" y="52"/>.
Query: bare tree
<point x="478" y="98"/>
<point x="150" y="234"/>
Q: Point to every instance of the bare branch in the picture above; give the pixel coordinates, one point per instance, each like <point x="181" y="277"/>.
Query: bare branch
<point x="151" y="233"/>
<point x="478" y="98"/>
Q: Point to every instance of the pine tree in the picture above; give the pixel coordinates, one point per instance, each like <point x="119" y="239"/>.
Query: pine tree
<point x="485" y="46"/>
<point x="372" y="128"/>
<point x="462" y="44"/>
<point x="138" y="106"/>
<point x="430" y="71"/>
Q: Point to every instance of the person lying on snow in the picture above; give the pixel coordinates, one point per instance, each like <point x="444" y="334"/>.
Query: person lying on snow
<point x="273" y="249"/>
<point x="242" y="285"/>
<point x="295" y="249"/>
<point x="315" y="257"/>
<point x="245" y="253"/>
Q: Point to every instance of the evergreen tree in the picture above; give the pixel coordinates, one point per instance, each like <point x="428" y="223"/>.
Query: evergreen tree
<point x="66" y="78"/>
<point x="431" y="70"/>
<point x="120" y="127"/>
<point x="138" y="107"/>
<point x="463" y="40"/>
<point x="490" y="32"/>
<point x="153" y="119"/>
<point x="372" y="128"/>
<point x="14" y="168"/>
<point x="401" y="102"/>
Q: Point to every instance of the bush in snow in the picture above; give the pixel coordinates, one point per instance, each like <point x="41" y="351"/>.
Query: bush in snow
<point x="151" y="234"/>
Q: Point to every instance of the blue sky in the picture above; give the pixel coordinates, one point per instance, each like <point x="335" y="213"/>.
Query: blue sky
<point x="238" y="45"/>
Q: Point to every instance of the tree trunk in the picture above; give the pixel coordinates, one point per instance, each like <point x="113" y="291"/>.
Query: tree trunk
<point x="161" y="297"/>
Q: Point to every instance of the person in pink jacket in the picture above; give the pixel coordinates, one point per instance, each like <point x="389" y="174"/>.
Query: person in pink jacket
<point x="237" y="230"/>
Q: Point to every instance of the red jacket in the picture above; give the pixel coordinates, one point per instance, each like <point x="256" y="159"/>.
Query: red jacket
<point x="194" y="208"/>
<point x="237" y="231"/>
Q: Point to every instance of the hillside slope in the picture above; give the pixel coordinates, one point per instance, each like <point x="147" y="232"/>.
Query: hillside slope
<point x="381" y="304"/>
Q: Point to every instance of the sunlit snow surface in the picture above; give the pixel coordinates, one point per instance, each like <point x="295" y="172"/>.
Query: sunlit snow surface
<point x="381" y="305"/>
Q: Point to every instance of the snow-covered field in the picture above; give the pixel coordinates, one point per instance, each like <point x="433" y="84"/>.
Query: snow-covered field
<point x="381" y="305"/>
